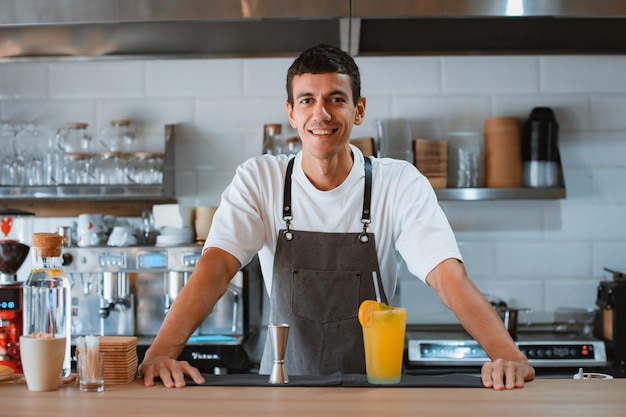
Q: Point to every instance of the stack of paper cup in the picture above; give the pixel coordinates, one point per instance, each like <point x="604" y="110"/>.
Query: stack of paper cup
<point x="203" y="220"/>
<point x="503" y="155"/>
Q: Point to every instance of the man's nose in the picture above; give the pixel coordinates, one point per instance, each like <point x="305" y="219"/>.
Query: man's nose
<point x="321" y="113"/>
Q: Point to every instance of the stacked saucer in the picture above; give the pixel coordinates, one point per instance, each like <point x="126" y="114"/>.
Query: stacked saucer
<point x="120" y="358"/>
<point x="172" y="236"/>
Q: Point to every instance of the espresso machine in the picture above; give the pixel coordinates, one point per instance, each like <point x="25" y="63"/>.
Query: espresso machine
<point x="129" y="291"/>
<point x="15" y="233"/>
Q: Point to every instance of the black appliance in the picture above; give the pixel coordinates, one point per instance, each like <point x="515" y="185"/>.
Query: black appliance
<point x="612" y="301"/>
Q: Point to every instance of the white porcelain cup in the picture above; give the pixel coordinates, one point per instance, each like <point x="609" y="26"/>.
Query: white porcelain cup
<point x="42" y="362"/>
<point x="89" y="229"/>
<point x="122" y="236"/>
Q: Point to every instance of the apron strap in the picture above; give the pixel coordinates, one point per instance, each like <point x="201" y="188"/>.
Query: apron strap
<point x="287" y="215"/>
<point x="367" y="192"/>
<point x="367" y="199"/>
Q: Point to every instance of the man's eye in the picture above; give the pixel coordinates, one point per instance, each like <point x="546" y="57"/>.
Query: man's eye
<point x="337" y="100"/>
<point x="305" y="101"/>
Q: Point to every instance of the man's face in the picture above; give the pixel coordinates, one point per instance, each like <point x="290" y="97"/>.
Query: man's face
<point x="323" y="112"/>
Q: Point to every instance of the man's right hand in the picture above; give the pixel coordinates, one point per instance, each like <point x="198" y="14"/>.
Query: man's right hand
<point x="170" y="371"/>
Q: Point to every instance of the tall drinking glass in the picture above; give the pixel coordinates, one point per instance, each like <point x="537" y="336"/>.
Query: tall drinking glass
<point x="383" y="339"/>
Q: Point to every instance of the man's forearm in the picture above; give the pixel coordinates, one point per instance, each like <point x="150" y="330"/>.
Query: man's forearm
<point x="473" y="311"/>
<point x="195" y="302"/>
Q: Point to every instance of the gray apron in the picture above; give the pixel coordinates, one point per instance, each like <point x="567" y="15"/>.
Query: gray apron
<point x="319" y="282"/>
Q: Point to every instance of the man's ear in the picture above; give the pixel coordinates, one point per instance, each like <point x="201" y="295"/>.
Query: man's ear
<point x="360" y="111"/>
<point x="289" y="108"/>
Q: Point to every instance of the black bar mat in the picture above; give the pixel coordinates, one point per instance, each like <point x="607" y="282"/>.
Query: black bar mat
<point x="456" y="380"/>
<point x="440" y="381"/>
<point x="256" y="380"/>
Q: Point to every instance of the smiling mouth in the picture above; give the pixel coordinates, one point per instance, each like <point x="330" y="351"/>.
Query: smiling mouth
<point x="322" y="132"/>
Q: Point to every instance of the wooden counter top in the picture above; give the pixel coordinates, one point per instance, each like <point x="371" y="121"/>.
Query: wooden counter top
<point x="547" y="397"/>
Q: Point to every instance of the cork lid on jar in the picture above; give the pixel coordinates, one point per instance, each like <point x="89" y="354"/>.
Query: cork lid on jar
<point x="122" y="122"/>
<point x="77" y="125"/>
<point x="49" y="243"/>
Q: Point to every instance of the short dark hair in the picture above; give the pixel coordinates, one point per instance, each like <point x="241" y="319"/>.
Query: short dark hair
<point x="322" y="59"/>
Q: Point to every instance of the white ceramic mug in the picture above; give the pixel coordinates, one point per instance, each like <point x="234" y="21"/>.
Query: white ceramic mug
<point x="122" y="236"/>
<point x="89" y="229"/>
<point x="42" y="362"/>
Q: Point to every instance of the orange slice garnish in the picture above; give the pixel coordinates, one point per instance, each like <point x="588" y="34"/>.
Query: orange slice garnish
<point x="365" y="311"/>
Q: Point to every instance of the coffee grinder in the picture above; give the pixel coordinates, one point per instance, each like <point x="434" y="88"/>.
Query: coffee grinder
<point x="612" y="301"/>
<point x="15" y="232"/>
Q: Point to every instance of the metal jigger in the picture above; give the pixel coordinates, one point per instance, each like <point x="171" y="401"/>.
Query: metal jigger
<point x="278" y="336"/>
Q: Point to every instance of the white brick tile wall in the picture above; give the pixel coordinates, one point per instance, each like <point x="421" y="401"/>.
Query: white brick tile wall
<point x="527" y="293"/>
<point x="492" y="74"/>
<point x="49" y="114"/>
<point x="605" y="188"/>
<point x="583" y="73"/>
<point x="401" y="76"/>
<point x="571" y="110"/>
<point x="436" y="115"/>
<point x="586" y="222"/>
<point x="149" y="114"/>
<point x="13" y="86"/>
<point x="521" y="261"/>
<point x="101" y="79"/>
<point x="570" y="293"/>
<point x="478" y="258"/>
<point x="261" y="78"/>
<point x="591" y="149"/>
<point x="581" y="183"/>
<point x="192" y="78"/>
<point x="234" y="115"/>
<point x="607" y="111"/>
<point x="608" y="255"/>
<point x="538" y="254"/>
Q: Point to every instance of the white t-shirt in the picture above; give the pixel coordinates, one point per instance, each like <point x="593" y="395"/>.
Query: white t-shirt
<point x="406" y="219"/>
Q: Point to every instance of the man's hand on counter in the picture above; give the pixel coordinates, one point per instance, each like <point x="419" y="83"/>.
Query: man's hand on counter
<point x="501" y="374"/>
<point x="170" y="371"/>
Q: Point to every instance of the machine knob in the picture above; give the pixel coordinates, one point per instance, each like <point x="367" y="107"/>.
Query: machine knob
<point x="67" y="259"/>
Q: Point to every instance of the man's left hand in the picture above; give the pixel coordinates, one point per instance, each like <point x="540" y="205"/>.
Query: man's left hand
<point x="501" y="374"/>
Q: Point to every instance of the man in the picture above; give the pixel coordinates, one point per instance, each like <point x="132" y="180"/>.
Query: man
<point x="326" y="224"/>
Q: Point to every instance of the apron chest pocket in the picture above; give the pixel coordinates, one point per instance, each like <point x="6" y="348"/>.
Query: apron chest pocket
<point x="325" y="296"/>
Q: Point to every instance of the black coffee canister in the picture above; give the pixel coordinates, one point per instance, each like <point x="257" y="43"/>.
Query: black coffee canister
<point x="540" y="149"/>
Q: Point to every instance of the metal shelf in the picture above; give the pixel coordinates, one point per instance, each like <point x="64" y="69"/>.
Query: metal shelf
<point x="162" y="191"/>
<point x="86" y="192"/>
<point x="477" y="194"/>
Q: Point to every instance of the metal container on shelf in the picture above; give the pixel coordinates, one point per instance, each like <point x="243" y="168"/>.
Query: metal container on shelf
<point x="540" y="149"/>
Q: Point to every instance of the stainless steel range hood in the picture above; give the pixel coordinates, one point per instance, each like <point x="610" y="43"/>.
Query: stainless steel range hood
<point x="221" y="28"/>
<point x="490" y="26"/>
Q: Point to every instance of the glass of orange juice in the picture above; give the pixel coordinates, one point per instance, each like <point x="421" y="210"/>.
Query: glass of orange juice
<point x="383" y="337"/>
